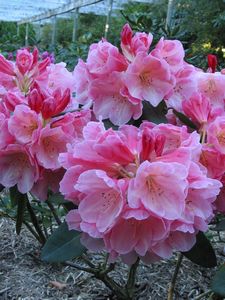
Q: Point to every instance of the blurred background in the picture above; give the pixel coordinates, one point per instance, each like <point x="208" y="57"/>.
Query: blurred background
<point x="199" y="24"/>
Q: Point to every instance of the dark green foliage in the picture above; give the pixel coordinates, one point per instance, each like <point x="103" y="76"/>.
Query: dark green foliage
<point x="202" y="252"/>
<point x="62" y="245"/>
<point x="218" y="282"/>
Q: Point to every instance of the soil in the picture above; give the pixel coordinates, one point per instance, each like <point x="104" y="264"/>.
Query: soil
<point x="24" y="276"/>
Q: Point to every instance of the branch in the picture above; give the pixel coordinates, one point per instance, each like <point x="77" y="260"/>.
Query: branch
<point x="173" y="281"/>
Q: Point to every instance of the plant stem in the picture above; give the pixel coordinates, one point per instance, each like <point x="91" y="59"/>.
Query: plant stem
<point x="131" y="279"/>
<point x="203" y="295"/>
<point x="51" y="206"/>
<point x="103" y="276"/>
<point x="173" y="281"/>
<point x="87" y="261"/>
<point x="35" y="222"/>
<point x="32" y="231"/>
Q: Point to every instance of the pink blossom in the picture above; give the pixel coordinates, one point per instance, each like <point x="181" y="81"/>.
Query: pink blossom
<point x="160" y="187"/>
<point x="24" y="60"/>
<point x="212" y="86"/>
<point x="216" y="134"/>
<point x="12" y="99"/>
<point x="35" y="100"/>
<point x="73" y="123"/>
<point x="130" y="46"/>
<point x="220" y="201"/>
<point x="6" y="66"/>
<point x="157" y="193"/>
<point x="104" y="58"/>
<point x="60" y="78"/>
<point x="133" y="234"/>
<point x="82" y="78"/>
<point x="103" y="201"/>
<point x="214" y="161"/>
<point x="212" y="62"/>
<point x="48" y="180"/>
<point x="148" y="78"/>
<point x="18" y="167"/>
<point x="110" y="100"/>
<point x="51" y="142"/>
<point x="197" y="107"/>
<point x="5" y="137"/>
<point x="25" y="124"/>
<point x="67" y="184"/>
<point x="186" y="85"/>
<point x="172" y="51"/>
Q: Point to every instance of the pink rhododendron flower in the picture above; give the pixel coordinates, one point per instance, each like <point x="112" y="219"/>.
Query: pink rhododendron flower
<point x="18" y="167"/>
<point x="51" y="142"/>
<point x="212" y="62"/>
<point x="197" y="107"/>
<point x="48" y="180"/>
<point x="5" y="137"/>
<point x="104" y="58"/>
<point x="186" y="85"/>
<point x="216" y="134"/>
<point x="25" y="124"/>
<point x="131" y="45"/>
<point x="220" y="201"/>
<point x="140" y="191"/>
<point x="214" y="161"/>
<point x="110" y="100"/>
<point x="103" y="201"/>
<point x="160" y="187"/>
<point x="212" y="86"/>
<point x="148" y="78"/>
<point x="82" y="78"/>
<point x="24" y="60"/>
<point x="60" y="77"/>
<point x="6" y="66"/>
<point x="12" y="99"/>
<point x="172" y="51"/>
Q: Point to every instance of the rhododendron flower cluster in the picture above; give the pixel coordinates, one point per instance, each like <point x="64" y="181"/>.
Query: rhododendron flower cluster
<point x="110" y="79"/>
<point x="34" y="127"/>
<point x="140" y="192"/>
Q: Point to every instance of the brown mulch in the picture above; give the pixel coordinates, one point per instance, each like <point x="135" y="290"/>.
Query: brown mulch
<point x="24" y="276"/>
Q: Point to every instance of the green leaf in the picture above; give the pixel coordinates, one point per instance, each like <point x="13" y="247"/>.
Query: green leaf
<point x="152" y="114"/>
<point x="220" y="226"/>
<point x="184" y="119"/>
<point x="22" y="200"/>
<point x="62" y="245"/>
<point x="218" y="282"/>
<point x="1" y="188"/>
<point x="202" y="252"/>
<point x="59" y="199"/>
<point x="14" y="194"/>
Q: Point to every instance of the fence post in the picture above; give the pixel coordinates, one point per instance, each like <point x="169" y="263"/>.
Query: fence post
<point x="75" y="24"/>
<point x="169" y="14"/>
<point x="108" y="19"/>
<point x="53" y="31"/>
<point x="17" y="29"/>
<point x="27" y="34"/>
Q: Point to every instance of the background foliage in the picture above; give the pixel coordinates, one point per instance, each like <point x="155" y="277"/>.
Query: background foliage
<point x="198" y="24"/>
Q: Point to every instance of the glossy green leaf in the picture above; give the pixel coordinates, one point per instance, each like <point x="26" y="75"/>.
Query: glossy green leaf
<point x="153" y="114"/>
<point x="21" y="200"/>
<point x="14" y="194"/>
<point x="1" y="188"/>
<point x="62" y="245"/>
<point x="184" y="119"/>
<point x="202" y="252"/>
<point x="218" y="282"/>
<point x="220" y="226"/>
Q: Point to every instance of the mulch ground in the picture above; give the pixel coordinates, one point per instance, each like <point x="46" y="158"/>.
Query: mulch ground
<point x="24" y="276"/>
